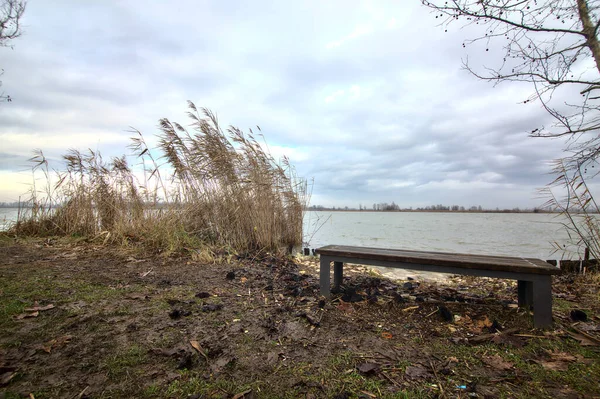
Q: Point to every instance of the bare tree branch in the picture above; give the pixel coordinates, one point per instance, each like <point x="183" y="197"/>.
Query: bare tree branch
<point x="11" y="12"/>
<point x="550" y="44"/>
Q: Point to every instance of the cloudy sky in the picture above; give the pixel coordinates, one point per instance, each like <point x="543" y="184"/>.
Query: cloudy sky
<point x="366" y="97"/>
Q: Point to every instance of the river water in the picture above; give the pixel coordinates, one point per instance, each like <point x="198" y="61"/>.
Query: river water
<point x="7" y="217"/>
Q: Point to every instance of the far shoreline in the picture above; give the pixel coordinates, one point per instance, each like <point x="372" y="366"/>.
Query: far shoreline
<point x="432" y="211"/>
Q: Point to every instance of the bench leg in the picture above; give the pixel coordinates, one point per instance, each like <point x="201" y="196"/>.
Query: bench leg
<point x="525" y="291"/>
<point x="542" y="302"/>
<point x="325" y="264"/>
<point x="338" y="274"/>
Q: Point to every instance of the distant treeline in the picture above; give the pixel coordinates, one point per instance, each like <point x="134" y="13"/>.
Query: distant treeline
<point x="380" y="207"/>
<point x="16" y="204"/>
<point x="393" y="207"/>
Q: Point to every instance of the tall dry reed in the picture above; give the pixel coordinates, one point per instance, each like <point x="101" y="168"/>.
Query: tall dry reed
<point x="202" y="187"/>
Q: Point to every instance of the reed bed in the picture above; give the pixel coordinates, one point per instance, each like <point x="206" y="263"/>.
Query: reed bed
<point x="203" y="188"/>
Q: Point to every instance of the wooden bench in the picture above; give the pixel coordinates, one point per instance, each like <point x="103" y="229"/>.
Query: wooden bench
<point x="534" y="276"/>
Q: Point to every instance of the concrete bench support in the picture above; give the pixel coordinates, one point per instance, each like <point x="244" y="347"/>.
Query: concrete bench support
<point x="534" y="277"/>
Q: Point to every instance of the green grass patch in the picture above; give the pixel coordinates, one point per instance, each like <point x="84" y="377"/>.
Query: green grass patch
<point x="125" y="362"/>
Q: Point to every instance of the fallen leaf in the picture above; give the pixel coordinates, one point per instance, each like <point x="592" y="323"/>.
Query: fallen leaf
<point x="485" y="323"/>
<point x="196" y="345"/>
<point x="555" y="366"/>
<point x="368" y="368"/>
<point x="417" y="372"/>
<point x="345" y="307"/>
<point x="497" y="362"/>
<point x="386" y="335"/>
<point x="56" y="343"/>
<point x="26" y="315"/>
<point x="243" y="279"/>
<point x="241" y="394"/>
<point x="562" y="356"/>
<point x="40" y="308"/>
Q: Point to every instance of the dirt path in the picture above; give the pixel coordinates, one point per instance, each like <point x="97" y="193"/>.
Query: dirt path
<point x="79" y="321"/>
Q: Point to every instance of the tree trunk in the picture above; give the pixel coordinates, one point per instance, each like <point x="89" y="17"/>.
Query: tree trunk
<point x="589" y="31"/>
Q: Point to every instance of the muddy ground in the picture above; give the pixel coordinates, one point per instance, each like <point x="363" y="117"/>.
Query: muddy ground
<point x="85" y="321"/>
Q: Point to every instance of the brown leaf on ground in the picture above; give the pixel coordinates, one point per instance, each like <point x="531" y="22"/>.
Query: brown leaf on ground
<point x="345" y="307"/>
<point x="242" y="394"/>
<point x="497" y="362"/>
<point x="37" y="308"/>
<point x="484" y="323"/>
<point x="554" y="365"/>
<point x="196" y="345"/>
<point x="417" y="372"/>
<point x="562" y="356"/>
<point x="26" y="315"/>
<point x="56" y="343"/>
<point x="368" y="368"/>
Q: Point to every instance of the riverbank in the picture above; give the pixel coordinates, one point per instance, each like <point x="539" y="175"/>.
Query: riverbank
<point x="82" y="320"/>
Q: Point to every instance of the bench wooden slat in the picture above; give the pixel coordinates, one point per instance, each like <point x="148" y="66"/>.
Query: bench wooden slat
<point x="466" y="261"/>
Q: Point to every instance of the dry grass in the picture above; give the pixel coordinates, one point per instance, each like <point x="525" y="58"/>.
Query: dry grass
<point x="576" y="203"/>
<point x="204" y="188"/>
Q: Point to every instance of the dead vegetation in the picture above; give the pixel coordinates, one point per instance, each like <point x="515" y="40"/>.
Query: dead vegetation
<point x="198" y="189"/>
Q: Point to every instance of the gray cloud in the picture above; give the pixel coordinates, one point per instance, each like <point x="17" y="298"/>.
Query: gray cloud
<point x="370" y="100"/>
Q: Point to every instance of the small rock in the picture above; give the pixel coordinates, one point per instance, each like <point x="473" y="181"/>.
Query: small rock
<point x="368" y="368"/>
<point x="350" y="295"/>
<point x="185" y="362"/>
<point x="446" y="314"/>
<point x="578" y="315"/>
<point x="175" y="314"/>
<point x="212" y="307"/>
<point x="399" y="298"/>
